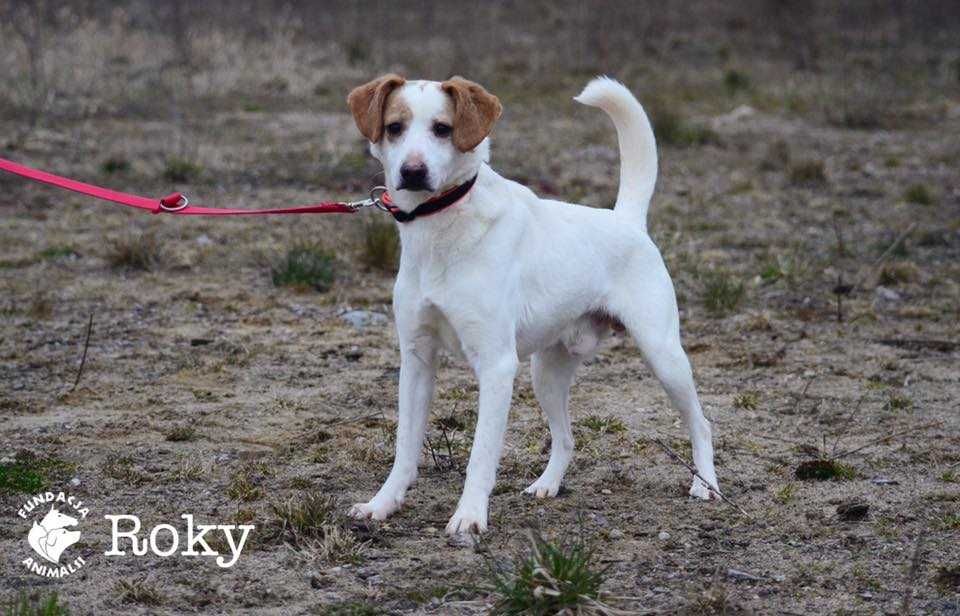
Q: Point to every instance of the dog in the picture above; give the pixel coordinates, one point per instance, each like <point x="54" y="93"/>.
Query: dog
<point x="495" y="275"/>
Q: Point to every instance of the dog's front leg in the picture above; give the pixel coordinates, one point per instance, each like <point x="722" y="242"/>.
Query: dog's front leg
<point x="495" y="374"/>
<point x="417" y="375"/>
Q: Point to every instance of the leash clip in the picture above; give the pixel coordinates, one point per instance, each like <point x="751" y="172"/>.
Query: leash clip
<point x="174" y="202"/>
<point x="374" y="200"/>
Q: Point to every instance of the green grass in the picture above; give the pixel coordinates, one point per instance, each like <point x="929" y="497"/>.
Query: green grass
<point x="114" y="164"/>
<point x="824" y="470"/>
<point x="722" y="293"/>
<point x="549" y="579"/>
<point x="899" y="402"/>
<point x="919" y="194"/>
<point x="735" y="81"/>
<point x="747" y="400"/>
<point x="305" y="266"/>
<point x="30" y="474"/>
<point x="58" y="252"/>
<point x="671" y="128"/>
<point x="36" y="605"/>
<point x="603" y="425"/>
<point x="381" y="245"/>
<point x="181" y="170"/>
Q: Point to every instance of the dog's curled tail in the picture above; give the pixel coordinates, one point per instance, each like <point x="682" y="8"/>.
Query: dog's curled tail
<point x="638" y="148"/>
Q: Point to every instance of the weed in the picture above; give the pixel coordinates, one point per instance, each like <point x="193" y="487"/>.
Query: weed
<point x="188" y="469"/>
<point x="181" y="170"/>
<point x="897" y="273"/>
<point x="36" y="605"/>
<point x="139" y="591"/>
<point x="919" y="194"/>
<point x="142" y="252"/>
<point x="673" y="129"/>
<point x="823" y="470"/>
<point x="58" y="252"/>
<point x="381" y="245"/>
<point x="722" y="292"/>
<point x="947" y="578"/>
<point x="748" y="400"/>
<point x="898" y="402"/>
<point x="180" y="434"/>
<point x="304" y="516"/>
<point x="243" y="489"/>
<point x="306" y="266"/>
<point x="352" y="608"/>
<point x="603" y="425"/>
<point x="951" y="521"/>
<point x="114" y="164"/>
<point x="808" y="172"/>
<point x="549" y="579"/>
<point x="122" y="469"/>
<point x="735" y="81"/>
<point x="785" y="494"/>
<point x="950" y="476"/>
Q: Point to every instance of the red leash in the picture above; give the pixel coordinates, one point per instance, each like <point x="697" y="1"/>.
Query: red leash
<point x="177" y="203"/>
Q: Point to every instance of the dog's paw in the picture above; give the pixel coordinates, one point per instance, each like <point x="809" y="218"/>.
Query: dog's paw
<point x="700" y="490"/>
<point x="469" y="518"/>
<point x="544" y="488"/>
<point x="376" y="509"/>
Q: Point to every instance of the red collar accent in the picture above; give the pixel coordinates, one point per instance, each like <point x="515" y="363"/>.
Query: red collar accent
<point x="430" y="206"/>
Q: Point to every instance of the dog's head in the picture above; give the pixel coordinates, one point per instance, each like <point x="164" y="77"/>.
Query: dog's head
<point x="428" y="135"/>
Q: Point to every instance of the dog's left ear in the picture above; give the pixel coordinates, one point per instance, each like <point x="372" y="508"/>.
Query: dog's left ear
<point x="475" y="111"/>
<point x="368" y="102"/>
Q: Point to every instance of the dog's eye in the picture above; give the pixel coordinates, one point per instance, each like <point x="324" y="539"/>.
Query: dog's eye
<point x="442" y="130"/>
<point x="395" y="128"/>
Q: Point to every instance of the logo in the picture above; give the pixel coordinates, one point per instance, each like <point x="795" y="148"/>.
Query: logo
<point x="54" y="533"/>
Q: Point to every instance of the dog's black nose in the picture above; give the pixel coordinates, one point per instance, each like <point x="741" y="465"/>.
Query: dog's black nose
<point x="414" y="177"/>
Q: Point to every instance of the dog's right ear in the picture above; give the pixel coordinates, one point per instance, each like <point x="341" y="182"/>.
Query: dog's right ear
<point x="367" y="103"/>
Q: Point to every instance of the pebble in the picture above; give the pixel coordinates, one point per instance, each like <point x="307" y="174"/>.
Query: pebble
<point x="360" y="319"/>
<point x="606" y="492"/>
<point x="616" y="534"/>
<point x="885" y="294"/>
<point x="204" y="240"/>
<point x="75" y="482"/>
<point x="663" y="536"/>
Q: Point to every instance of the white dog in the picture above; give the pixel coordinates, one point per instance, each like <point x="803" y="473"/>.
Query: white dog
<point x="494" y="274"/>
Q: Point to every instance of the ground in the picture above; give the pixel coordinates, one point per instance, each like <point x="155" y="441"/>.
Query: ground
<point x="813" y="243"/>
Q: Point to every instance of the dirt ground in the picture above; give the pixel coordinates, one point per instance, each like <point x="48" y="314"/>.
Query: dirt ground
<point x="816" y="256"/>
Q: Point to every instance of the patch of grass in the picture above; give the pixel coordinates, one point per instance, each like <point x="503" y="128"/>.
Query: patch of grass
<point x="352" y="608"/>
<point x="381" y="245"/>
<point x="671" y="128"/>
<point x="919" y="194"/>
<point x="138" y="591"/>
<point x="950" y="477"/>
<point x="898" y="402"/>
<point x="776" y="157"/>
<point x="114" y="165"/>
<point x="951" y="521"/>
<point x="36" y="604"/>
<point x="747" y="400"/>
<point x="548" y="579"/>
<point x="808" y="172"/>
<point x="947" y="578"/>
<point x="898" y="273"/>
<point x="824" y="470"/>
<point x="29" y="474"/>
<point x="243" y="489"/>
<point x="181" y="170"/>
<point x="603" y="425"/>
<point x="122" y="468"/>
<point x="735" y="81"/>
<point x="53" y="253"/>
<point x="305" y="515"/>
<point x="188" y="469"/>
<point x="722" y="293"/>
<point x="305" y="266"/>
<point x="142" y="252"/>
<point x="785" y="494"/>
<point x="179" y="434"/>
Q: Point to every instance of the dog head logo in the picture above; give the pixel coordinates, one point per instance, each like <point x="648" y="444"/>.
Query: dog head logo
<point x="50" y="536"/>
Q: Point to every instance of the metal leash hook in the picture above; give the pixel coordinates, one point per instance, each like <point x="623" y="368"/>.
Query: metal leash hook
<point x="374" y="200"/>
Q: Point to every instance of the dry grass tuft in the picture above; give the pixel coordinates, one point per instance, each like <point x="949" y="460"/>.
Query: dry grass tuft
<point x="142" y="252"/>
<point x="808" y="172"/>
<point x="381" y="245"/>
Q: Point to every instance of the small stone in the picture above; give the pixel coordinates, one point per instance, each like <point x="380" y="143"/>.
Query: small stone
<point x="204" y="240"/>
<point x="616" y="534"/>
<point x="606" y="492"/>
<point x="75" y="482"/>
<point x="360" y="319"/>
<point x="430" y="530"/>
<point x="736" y="574"/>
<point x="887" y="295"/>
<point x="663" y="536"/>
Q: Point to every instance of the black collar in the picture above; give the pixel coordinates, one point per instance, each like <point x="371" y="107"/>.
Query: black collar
<point x="431" y="206"/>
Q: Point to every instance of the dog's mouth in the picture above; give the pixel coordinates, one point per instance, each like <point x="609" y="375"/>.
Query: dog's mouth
<point x="416" y="185"/>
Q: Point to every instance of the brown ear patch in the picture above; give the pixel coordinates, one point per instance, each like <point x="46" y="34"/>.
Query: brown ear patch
<point x="367" y="103"/>
<point x="474" y="112"/>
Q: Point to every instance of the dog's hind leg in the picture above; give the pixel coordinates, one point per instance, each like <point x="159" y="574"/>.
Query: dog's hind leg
<point x="553" y="370"/>
<point x="653" y="321"/>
